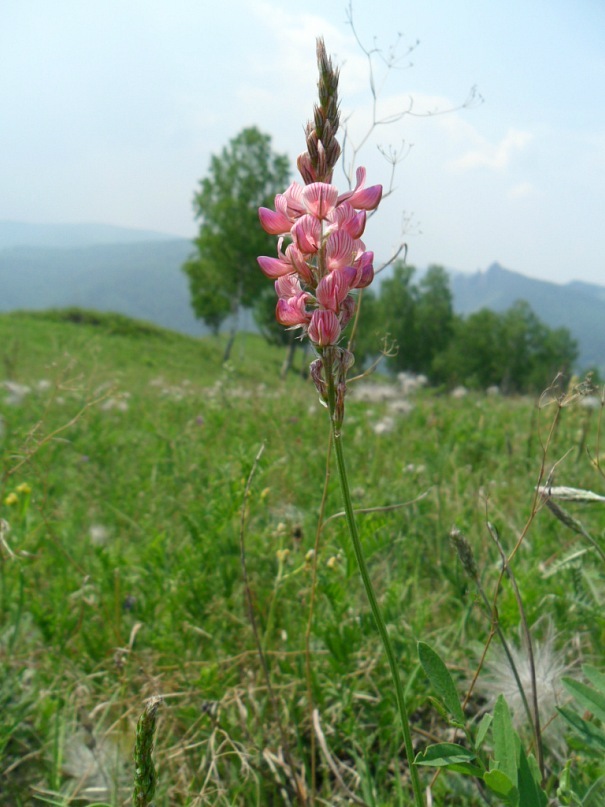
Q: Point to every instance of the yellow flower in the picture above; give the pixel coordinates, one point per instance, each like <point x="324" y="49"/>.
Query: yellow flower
<point x="11" y="499"/>
<point x="24" y="488"/>
<point x="264" y="493"/>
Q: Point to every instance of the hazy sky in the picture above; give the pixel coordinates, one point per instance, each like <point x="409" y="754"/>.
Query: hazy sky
<point x="110" y="111"/>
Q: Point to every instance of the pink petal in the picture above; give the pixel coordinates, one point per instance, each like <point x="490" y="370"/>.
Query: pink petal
<point x="294" y="203"/>
<point x="273" y="267"/>
<point x="346" y="218"/>
<point x="360" y="199"/>
<point x="297" y="260"/>
<point x="320" y="199"/>
<point x="273" y="222"/>
<point x="367" y="199"/>
<point x="306" y="234"/>
<point x="292" y="312"/>
<point x="365" y="270"/>
<point x="333" y="288"/>
<point x="324" y="328"/>
<point x="340" y="249"/>
<point x="288" y="286"/>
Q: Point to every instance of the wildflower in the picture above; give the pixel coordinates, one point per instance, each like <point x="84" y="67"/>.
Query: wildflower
<point x="317" y="274"/>
<point x="332" y="563"/>
<point x="24" y="488"/>
<point x="11" y="499"/>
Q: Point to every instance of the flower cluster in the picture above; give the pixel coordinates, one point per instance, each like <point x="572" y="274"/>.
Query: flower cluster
<point x="325" y="260"/>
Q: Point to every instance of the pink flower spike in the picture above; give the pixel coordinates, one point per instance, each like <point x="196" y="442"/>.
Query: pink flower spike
<point x="292" y="312"/>
<point x="324" y="328"/>
<point x="273" y="267"/>
<point x="320" y="199"/>
<point x="306" y="234"/>
<point x="274" y="222"/>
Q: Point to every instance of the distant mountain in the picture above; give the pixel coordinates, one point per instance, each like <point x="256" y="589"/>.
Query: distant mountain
<point x="578" y="306"/>
<point x="21" y="234"/>
<point x="138" y="273"/>
<point x="143" y="280"/>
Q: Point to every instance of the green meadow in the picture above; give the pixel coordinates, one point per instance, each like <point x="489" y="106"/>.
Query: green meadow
<point x="151" y="493"/>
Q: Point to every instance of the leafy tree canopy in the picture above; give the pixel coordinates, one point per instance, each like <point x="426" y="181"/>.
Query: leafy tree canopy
<point x="223" y="274"/>
<point x="514" y="349"/>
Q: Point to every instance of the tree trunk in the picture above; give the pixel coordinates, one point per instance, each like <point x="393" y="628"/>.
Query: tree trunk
<point x="288" y="361"/>
<point x="229" y="346"/>
<point x="234" y="323"/>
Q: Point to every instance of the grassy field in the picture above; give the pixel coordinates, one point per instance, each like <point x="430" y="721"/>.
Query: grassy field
<point x="126" y="454"/>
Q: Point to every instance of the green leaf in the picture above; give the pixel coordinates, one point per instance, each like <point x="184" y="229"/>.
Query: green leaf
<point x="589" y="698"/>
<point x="595" y="677"/>
<point x="595" y="796"/>
<point x="505" y="739"/>
<point x="530" y="793"/>
<point x="593" y="736"/>
<point x="439" y="707"/>
<point x="441" y="755"/>
<point x="500" y="784"/>
<point x="482" y="730"/>
<point x="440" y="678"/>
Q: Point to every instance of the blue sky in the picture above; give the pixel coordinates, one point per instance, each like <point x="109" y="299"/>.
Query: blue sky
<point x="110" y="112"/>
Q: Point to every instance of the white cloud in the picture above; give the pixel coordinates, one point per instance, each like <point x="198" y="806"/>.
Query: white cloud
<point x="496" y="156"/>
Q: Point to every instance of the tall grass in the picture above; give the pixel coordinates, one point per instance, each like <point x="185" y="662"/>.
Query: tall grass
<point x="124" y="473"/>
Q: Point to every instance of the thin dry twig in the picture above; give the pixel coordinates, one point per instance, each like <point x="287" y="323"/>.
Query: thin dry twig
<point x="386" y="508"/>
<point x="332" y="762"/>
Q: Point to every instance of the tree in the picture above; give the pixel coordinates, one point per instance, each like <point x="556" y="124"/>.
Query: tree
<point x="418" y="317"/>
<point x="475" y="352"/>
<point x="513" y="349"/>
<point x="434" y="318"/>
<point x="397" y="314"/>
<point x="224" y="274"/>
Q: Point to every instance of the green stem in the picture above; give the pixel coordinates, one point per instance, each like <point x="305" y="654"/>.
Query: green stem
<point x="369" y="589"/>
